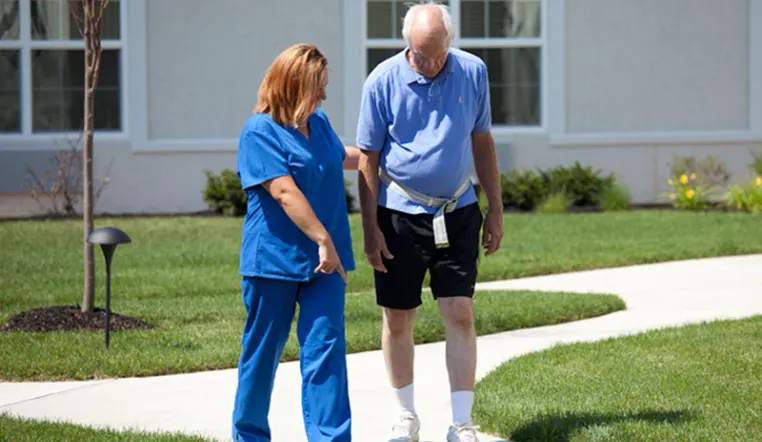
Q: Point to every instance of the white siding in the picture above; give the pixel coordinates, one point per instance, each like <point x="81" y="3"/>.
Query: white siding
<point x="657" y="65"/>
<point x="631" y="84"/>
<point x="205" y="61"/>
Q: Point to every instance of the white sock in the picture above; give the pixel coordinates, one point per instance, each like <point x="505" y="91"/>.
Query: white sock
<point x="462" y="402"/>
<point x="405" y="398"/>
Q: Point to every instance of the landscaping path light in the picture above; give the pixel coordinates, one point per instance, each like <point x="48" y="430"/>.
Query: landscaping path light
<point x="108" y="238"/>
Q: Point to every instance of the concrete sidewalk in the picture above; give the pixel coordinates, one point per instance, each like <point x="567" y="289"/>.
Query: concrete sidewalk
<point x="657" y="295"/>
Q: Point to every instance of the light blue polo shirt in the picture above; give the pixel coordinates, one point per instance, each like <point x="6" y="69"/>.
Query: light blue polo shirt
<point x="423" y="126"/>
<point x="273" y="246"/>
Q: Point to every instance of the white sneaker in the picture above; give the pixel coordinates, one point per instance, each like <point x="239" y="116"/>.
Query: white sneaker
<point x="462" y="433"/>
<point x="406" y="429"/>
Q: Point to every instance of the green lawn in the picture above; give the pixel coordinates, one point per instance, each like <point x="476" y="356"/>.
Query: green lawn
<point x="13" y="429"/>
<point x="195" y="331"/>
<point x="203" y="252"/>
<point x="698" y="382"/>
<point x="180" y="275"/>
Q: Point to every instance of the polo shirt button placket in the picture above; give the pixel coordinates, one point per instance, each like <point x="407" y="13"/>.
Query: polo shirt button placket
<point x="434" y="91"/>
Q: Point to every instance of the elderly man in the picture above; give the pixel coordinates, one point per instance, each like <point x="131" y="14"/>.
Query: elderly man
<point x="425" y="114"/>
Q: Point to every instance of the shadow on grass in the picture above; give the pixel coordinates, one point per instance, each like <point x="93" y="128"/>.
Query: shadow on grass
<point x="559" y="428"/>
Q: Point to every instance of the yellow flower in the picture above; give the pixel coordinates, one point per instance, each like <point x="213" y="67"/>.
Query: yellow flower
<point x="671" y="182"/>
<point x="693" y="176"/>
<point x="684" y="179"/>
<point x="759" y="181"/>
<point x="673" y="196"/>
<point x="689" y="193"/>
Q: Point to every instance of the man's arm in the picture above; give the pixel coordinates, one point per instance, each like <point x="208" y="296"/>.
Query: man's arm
<point x="352" y="160"/>
<point x="485" y="164"/>
<point x="367" y="186"/>
<point x="371" y="135"/>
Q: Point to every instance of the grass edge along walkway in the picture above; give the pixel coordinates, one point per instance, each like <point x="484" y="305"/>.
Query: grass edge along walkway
<point x="693" y="382"/>
<point x="15" y="429"/>
<point x="198" y="339"/>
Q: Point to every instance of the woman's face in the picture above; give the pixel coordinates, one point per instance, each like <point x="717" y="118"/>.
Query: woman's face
<point x="321" y="94"/>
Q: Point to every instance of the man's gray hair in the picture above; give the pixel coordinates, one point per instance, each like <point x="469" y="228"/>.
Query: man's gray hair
<point x="446" y="17"/>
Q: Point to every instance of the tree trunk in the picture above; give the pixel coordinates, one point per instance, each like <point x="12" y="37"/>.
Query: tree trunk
<point x="91" y="56"/>
<point x="87" y="201"/>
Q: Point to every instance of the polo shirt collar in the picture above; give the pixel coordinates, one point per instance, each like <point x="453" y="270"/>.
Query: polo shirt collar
<point x="409" y="75"/>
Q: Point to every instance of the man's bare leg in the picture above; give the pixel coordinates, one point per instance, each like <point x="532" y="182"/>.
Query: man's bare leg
<point x="399" y="352"/>
<point x="460" y="336"/>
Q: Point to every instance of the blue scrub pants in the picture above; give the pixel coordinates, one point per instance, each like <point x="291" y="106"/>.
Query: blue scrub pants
<point x="270" y="306"/>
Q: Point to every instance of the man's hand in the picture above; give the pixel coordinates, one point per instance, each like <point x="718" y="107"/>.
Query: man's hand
<point x="485" y="163"/>
<point x="493" y="231"/>
<point x="375" y="246"/>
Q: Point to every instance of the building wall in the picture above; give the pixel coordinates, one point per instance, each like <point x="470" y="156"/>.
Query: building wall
<point x="628" y="85"/>
<point x="194" y="70"/>
<point x="631" y="84"/>
<point x="206" y="62"/>
<point x="651" y="65"/>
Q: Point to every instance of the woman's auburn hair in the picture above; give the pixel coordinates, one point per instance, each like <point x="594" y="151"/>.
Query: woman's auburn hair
<point x="289" y="91"/>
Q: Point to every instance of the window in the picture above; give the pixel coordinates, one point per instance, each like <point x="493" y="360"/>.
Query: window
<point x="506" y="34"/>
<point x="42" y="68"/>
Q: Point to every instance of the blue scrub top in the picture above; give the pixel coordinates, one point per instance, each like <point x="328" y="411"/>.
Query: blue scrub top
<point x="272" y="245"/>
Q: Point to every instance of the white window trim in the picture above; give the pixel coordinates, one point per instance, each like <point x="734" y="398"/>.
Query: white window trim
<point x="25" y="44"/>
<point x="755" y="67"/>
<point x="355" y="62"/>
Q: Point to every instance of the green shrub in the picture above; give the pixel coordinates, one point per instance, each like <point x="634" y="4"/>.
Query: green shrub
<point x="746" y="198"/>
<point x="756" y="164"/>
<point x="350" y="198"/>
<point x="555" y="202"/>
<point x="615" y="197"/>
<point x="582" y="184"/>
<point x="526" y="189"/>
<point x="224" y="195"/>
<point x="522" y="189"/>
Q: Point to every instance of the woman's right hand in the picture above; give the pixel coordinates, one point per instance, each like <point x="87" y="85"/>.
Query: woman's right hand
<point x="329" y="259"/>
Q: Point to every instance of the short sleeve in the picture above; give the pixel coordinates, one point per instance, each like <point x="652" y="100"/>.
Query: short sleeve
<point x="372" y="125"/>
<point x="260" y="158"/>
<point x="483" y="107"/>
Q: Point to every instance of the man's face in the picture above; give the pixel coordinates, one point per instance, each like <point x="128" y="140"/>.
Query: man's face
<point x="429" y="57"/>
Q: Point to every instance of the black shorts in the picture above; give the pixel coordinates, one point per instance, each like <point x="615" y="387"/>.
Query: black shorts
<point x="410" y="239"/>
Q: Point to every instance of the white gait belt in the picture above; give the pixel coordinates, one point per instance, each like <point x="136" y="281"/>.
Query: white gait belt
<point x="444" y="205"/>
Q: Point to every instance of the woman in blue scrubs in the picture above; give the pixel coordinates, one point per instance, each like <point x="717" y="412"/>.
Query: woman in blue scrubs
<point x="296" y="249"/>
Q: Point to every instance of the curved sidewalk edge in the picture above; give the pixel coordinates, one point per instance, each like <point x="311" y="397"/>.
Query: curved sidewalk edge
<point x="657" y="295"/>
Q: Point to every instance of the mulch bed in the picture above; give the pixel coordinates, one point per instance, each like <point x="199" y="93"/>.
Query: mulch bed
<point x="69" y="318"/>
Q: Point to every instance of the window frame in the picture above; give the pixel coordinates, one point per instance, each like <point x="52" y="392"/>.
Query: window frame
<point x="26" y="44"/>
<point x="355" y="53"/>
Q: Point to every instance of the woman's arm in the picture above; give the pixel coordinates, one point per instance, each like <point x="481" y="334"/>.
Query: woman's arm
<point x="285" y="191"/>
<point x="352" y="159"/>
